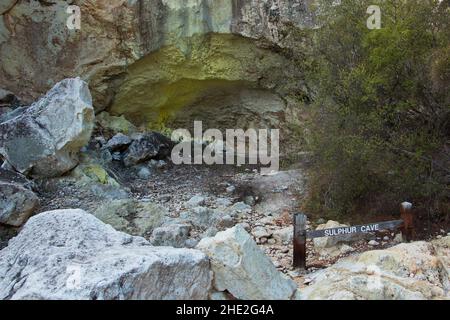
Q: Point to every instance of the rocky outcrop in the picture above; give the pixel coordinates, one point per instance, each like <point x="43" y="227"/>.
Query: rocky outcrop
<point x="418" y="270"/>
<point x="242" y="269"/>
<point x="116" y="33"/>
<point x="156" y="61"/>
<point x="17" y="199"/>
<point x="202" y="217"/>
<point x="45" y="139"/>
<point x="69" y="254"/>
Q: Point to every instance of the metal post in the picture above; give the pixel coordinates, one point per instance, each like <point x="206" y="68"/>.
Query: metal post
<point x="408" y="220"/>
<point x="299" y="241"/>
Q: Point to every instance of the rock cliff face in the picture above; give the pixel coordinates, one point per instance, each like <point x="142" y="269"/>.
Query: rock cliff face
<point x="192" y="48"/>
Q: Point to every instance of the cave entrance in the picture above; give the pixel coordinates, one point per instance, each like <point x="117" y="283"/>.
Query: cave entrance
<point x="224" y="80"/>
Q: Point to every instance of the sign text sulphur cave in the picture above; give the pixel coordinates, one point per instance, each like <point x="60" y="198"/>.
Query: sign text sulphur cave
<point x="372" y="227"/>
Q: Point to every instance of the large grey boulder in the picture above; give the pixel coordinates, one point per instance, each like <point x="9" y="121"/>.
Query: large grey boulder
<point x="242" y="269"/>
<point x="17" y="199"/>
<point x="70" y="254"/>
<point x="44" y="140"/>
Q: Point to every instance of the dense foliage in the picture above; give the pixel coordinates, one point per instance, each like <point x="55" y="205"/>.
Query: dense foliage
<point x="380" y="126"/>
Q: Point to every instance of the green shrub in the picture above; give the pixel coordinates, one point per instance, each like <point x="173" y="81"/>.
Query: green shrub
<point x="380" y="122"/>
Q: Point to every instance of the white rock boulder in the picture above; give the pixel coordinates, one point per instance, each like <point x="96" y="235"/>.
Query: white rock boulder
<point x="70" y="254"/>
<point x="409" y="271"/>
<point x="242" y="269"/>
<point x="44" y="139"/>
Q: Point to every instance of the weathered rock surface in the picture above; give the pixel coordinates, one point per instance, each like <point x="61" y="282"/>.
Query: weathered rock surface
<point x="44" y="140"/>
<point x="70" y="254"/>
<point x="284" y="236"/>
<point x="16" y="178"/>
<point x="242" y="269"/>
<point x="17" y="199"/>
<point x="173" y="235"/>
<point x="7" y="99"/>
<point x="206" y="217"/>
<point x="17" y="204"/>
<point x="275" y="192"/>
<point x="201" y="217"/>
<point x="131" y="216"/>
<point x="224" y="80"/>
<point x="261" y="232"/>
<point x="195" y="201"/>
<point x="112" y="124"/>
<point x="147" y="146"/>
<point x="9" y="113"/>
<point x="6" y="5"/>
<point x="418" y="270"/>
<point x="119" y="142"/>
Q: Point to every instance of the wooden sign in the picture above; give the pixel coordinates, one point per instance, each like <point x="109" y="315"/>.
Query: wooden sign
<point x="300" y="233"/>
<point x="367" y="228"/>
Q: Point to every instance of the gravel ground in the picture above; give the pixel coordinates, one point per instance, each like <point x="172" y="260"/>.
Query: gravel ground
<point x="273" y="200"/>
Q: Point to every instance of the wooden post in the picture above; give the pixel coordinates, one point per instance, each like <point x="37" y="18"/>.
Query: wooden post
<point x="408" y="220"/>
<point x="299" y="241"/>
